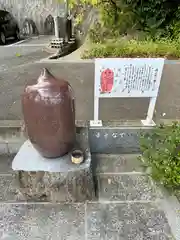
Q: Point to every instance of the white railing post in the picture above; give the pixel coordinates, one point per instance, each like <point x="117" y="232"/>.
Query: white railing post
<point x="149" y="119"/>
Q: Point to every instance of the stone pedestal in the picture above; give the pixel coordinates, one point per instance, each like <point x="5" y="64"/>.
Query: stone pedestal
<point x="54" y="180"/>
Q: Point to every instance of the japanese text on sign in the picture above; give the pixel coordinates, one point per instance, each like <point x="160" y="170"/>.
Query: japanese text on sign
<point x="128" y="77"/>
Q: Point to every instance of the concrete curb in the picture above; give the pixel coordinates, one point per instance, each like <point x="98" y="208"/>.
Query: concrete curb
<point x="63" y="60"/>
<point x="91" y="60"/>
<point x="26" y="39"/>
<point x="171" y="207"/>
<point x="12" y="135"/>
<point x="17" y="43"/>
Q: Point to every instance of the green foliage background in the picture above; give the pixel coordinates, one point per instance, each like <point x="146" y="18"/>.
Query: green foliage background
<point x="157" y="17"/>
<point x="161" y="152"/>
<point x="154" y="25"/>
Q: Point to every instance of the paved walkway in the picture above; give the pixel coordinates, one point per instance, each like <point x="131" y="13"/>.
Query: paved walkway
<point x="129" y="207"/>
<point x="23" y="52"/>
<point x="22" y="65"/>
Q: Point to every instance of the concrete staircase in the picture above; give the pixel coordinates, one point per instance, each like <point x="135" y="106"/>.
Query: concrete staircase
<point x="129" y="206"/>
<point x="120" y="178"/>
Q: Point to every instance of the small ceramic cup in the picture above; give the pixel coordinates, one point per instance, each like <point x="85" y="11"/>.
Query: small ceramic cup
<point x="77" y="156"/>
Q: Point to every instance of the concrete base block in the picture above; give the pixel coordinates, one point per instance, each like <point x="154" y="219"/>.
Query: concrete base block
<point x="56" y="187"/>
<point x="54" y="180"/>
<point x="3" y="148"/>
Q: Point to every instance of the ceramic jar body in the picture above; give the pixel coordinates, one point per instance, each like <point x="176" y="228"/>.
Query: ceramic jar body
<point x="49" y="115"/>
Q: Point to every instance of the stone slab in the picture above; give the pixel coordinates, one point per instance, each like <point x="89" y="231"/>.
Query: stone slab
<point x="13" y="147"/>
<point x="42" y="222"/>
<point x="115" y="140"/>
<point x="126" y="222"/>
<point x="29" y="159"/>
<point x="6" y="164"/>
<point x="171" y="207"/>
<point x="8" y="191"/>
<point x="117" y="163"/>
<point x="128" y="187"/>
<point x="56" y="187"/>
<point x="57" y="179"/>
<point x="3" y="148"/>
<point x="92" y="221"/>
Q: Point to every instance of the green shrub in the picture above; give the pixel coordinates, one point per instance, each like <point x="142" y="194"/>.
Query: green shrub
<point x="155" y="15"/>
<point x="152" y="16"/>
<point x="161" y="152"/>
<point x="174" y="30"/>
<point x="99" y="34"/>
<point x="134" y="48"/>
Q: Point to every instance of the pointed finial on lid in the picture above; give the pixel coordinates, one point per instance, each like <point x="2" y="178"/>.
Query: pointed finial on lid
<point x="45" y="74"/>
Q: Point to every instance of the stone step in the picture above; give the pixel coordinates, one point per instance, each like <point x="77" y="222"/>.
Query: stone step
<point x="90" y="221"/>
<point x="115" y="177"/>
<point x="42" y="221"/>
<point x="122" y="221"/>
<point x="127" y="187"/>
<point x="9" y="192"/>
<point x="5" y="164"/>
<point x="122" y="178"/>
<point x="116" y="163"/>
<point x="126" y="209"/>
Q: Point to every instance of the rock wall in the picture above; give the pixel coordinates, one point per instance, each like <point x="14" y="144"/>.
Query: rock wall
<point x="35" y="12"/>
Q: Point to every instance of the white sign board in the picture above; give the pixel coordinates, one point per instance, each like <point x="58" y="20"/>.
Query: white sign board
<point x="128" y="77"/>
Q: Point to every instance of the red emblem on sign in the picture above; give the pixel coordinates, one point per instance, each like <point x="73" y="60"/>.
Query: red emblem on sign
<point x="107" y="80"/>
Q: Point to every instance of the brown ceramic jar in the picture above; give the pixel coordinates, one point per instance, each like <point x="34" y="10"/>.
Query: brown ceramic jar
<point x="49" y="115"/>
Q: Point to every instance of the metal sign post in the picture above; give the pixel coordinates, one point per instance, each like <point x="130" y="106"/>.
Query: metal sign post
<point x="127" y="78"/>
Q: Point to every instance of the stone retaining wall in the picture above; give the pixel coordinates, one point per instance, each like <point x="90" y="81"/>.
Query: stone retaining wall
<point x="114" y="137"/>
<point x="34" y="10"/>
